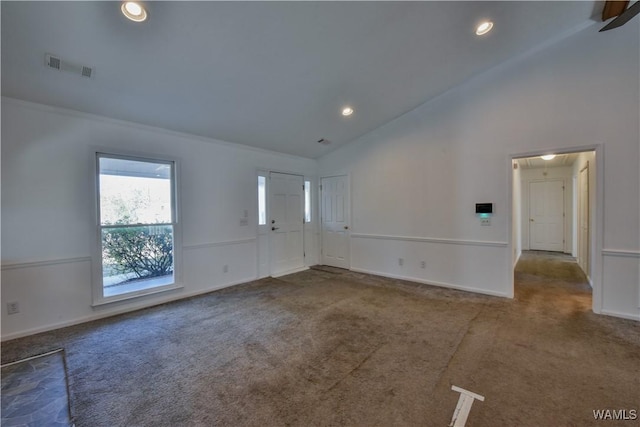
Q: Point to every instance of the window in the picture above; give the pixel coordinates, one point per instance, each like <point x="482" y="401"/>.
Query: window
<point x="262" y="200"/>
<point x="137" y="219"/>
<point x="307" y="201"/>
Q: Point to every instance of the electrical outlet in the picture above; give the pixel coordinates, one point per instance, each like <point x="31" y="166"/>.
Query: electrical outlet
<point x="423" y="264"/>
<point x="13" y="307"/>
<point x="225" y="268"/>
<point x="400" y="262"/>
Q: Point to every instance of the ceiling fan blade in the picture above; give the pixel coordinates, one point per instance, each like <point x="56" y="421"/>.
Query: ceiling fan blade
<point x="613" y="8"/>
<point x="623" y="18"/>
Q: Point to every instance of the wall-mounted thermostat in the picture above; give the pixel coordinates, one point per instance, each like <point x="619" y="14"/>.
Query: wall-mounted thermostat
<point x="484" y="208"/>
<point x="484" y="211"/>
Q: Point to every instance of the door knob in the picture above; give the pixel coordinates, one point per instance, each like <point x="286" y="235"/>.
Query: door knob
<point x="273" y="221"/>
<point x="346" y="227"/>
<point x="275" y="228"/>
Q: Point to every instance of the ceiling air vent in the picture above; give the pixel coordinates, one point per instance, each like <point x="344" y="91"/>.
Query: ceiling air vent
<point x="324" y="141"/>
<point x="53" y="62"/>
<point x="56" y="63"/>
<point x="86" y="71"/>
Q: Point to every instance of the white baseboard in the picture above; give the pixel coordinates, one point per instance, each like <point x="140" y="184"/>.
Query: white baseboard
<point x="518" y="255"/>
<point x="434" y="283"/>
<point x="621" y="315"/>
<point x="99" y="316"/>
<point x="285" y="273"/>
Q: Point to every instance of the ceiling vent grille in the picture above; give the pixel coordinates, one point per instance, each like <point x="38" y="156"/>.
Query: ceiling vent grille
<point x="53" y="62"/>
<point x="56" y="63"/>
<point x="86" y="71"/>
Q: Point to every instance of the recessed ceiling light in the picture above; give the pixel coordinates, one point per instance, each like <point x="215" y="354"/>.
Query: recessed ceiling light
<point x="548" y="157"/>
<point x="347" y="111"/>
<point x="134" y="11"/>
<point x="484" y="28"/>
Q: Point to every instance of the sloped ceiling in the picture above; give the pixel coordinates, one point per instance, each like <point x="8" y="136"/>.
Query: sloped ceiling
<point x="267" y="74"/>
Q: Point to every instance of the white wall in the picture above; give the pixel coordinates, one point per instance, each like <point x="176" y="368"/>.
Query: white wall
<point x="540" y="174"/>
<point x="47" y="217"/>
<point x="420" y="175"/>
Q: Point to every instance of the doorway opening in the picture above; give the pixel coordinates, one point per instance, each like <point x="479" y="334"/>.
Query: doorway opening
<point x="553" y="227"/>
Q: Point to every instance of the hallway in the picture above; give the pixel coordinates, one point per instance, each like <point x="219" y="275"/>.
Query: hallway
<point x="552" y="280"/>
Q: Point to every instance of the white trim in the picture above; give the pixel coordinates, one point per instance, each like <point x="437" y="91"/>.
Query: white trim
<point x="92" y="317"/>
<point x="285" y="273"/>
<point x="44" y="263"/>
<point x="139" y="126"/>
<point x="620" y="315"/>
<point x="434" y="283"/>
<point x="597" y="236"/>
<point x="218" y="244"/>
<point x="137" y="294"/>
<point x="431" y="240"/>
<point x="625" y="253"/>
<point x="517" y="258"/>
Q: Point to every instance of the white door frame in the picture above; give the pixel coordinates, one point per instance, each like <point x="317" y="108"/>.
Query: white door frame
<point x="319" y="198"/>
<point x="582" y="263"/>
<point x="597" y="220"/>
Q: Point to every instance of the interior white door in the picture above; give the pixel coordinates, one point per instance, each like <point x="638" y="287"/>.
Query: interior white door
<point x="546" y="215"/>
<point x="583" y="219"/>
<point x="335" y="221"/>
<point x="286" y="223"/>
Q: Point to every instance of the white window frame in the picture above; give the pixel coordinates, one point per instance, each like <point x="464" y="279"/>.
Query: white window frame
<point x="97" y="282"/>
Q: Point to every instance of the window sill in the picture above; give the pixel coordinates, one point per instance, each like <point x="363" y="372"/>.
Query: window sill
<point x="137" y="294"/>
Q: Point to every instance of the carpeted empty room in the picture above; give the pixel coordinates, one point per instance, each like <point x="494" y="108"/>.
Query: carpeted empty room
<point x="319" y="213"/>
<point x="332" y="347"/>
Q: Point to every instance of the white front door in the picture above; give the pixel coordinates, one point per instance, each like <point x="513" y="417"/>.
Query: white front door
<point x="286" y="223"/>
<point x="335" y="221"/>
<point x="546" y="215"/>
<point x="583" y="219"/>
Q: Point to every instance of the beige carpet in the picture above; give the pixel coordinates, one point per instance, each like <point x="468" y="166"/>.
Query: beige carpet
<point x="330" y="347"/>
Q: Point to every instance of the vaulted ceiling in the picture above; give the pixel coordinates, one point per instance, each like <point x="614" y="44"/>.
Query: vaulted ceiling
<point x="273" y="75"/>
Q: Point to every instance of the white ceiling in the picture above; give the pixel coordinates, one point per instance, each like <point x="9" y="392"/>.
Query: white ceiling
<point x="559" y="160"/>
<point x="267" y="74"/>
